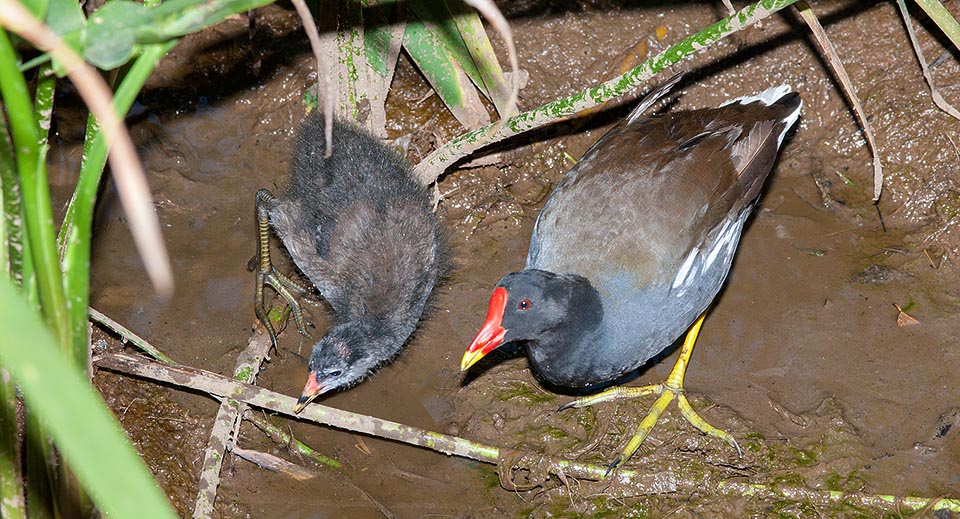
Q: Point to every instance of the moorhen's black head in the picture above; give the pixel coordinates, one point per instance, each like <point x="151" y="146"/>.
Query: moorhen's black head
<point x="345" y="355"/>
<point x="539" y="307"/>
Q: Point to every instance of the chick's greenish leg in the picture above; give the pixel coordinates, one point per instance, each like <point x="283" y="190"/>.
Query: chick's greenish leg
<point x="267" y="274"/>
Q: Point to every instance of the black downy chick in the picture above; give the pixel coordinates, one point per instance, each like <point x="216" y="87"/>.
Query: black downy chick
<point x="362" y="230"/>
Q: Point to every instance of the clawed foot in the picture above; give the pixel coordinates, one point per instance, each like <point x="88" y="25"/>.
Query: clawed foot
<point x="286" y="288"/>
<point x="667" y="391"/>
<point x="267" y="274"/>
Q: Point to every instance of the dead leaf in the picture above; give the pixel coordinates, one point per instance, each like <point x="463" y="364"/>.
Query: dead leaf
<point x="904" y="319"/>
<point x="362" y="447"/>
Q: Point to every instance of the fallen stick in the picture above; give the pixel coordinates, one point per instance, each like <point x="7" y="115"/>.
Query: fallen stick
<point x="880" y="501"/>
<point x="274" y="463"/>
<point x="280" y="436"/>
<point x="628" y="481"/>
<point x="212" y="383"/>
<point x="226" y="425"/>
<point x="302" y="449"/>
<point x="128" y="336"/>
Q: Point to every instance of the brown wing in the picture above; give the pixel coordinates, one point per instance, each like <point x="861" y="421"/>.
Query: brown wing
<point x="650" y="190"/>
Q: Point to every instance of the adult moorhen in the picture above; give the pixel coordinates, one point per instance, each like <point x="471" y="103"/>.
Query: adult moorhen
<point x="633" y="245"/>
<point x="362" y="230"/>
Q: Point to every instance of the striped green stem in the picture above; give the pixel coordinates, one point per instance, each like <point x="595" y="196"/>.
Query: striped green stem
<point x="434" y="164"/>
<point x="30" y="153"/>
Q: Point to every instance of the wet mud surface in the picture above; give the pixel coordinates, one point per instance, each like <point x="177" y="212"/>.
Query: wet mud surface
<point x="800" y="358"/>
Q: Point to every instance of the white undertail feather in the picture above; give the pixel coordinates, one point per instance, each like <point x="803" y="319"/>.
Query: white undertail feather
<point x="728" y="234"/>
<point x="768" y="97"/>
<point x="682" y="274"/>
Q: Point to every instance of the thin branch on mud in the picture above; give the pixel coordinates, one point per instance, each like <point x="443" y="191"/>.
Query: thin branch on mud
<point x="248" y="356"/>
<point x="878" y="501"/>
<point x="836" y="66"/>
<point x="305" y="450"/>
<point x="226" y="425"/>
<point x="274" y="463"/>
<point x="281" y="436"/>
<point x="215" y="384"/>
<point x="128" y="336"/>
<point x="430" y="168"/>
<point x="131" y="181"/>
<point x="625" y="482"/>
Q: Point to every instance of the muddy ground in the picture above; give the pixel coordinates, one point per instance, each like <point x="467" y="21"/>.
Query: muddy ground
<point x="800" y="358"/>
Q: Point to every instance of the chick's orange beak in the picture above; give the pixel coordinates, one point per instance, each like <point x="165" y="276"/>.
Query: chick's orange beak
<point x="491" y="333"/>
<point x="310" y="391"/>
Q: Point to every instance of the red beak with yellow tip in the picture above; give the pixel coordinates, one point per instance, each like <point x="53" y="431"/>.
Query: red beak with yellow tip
<point x="491" y="333"/>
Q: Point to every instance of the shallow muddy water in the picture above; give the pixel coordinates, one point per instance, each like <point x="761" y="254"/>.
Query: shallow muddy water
<point x="800" y="358"/>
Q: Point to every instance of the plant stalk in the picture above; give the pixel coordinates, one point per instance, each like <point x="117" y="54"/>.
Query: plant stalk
<point x="37" y="212"/>
<point x="76" y="231"/>
<point x="430" y="168"/>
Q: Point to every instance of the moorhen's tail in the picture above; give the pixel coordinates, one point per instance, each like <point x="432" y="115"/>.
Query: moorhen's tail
<point x="783" y="103"/>
<point x="764" y="116"/>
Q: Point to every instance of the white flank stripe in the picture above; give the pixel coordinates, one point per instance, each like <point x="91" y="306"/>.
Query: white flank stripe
<point x="682" y="274"/>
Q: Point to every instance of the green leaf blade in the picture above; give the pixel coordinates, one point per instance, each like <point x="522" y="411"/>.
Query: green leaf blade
<point x="76" y="417"/>
<point x="444" y="73"/>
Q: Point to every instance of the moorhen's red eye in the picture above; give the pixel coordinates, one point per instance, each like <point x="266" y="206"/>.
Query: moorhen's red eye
<point x="524" y="304"/>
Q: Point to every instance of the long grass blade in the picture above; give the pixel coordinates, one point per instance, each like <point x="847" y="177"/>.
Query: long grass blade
<point x="443" y="29"/>
<point x="12" y="502"/>
<point x="942" y="17"/>
<point x="38" y="206"/>
<point x="131" y="182"/>
<point x="474" y="37"/>
<point x="11" y="237"/>
<point x="38" y="217"/>
<point x="924" y="68"/>
<point x="76" y="418"/>
<point x="40" y="468"/>
<point x="493" y="15"/>
<point x="69" y="494"/>
<point x="76" y="231"/>
<point x="836" y="65"/>
<point x="445" y="73"/>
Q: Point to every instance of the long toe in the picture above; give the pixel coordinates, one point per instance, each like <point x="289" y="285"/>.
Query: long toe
<point x="613" y="394"/>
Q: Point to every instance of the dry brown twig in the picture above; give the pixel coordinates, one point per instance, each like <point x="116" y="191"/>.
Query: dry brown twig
<point x="836" y="65"/>
<point x="131" y="181"/>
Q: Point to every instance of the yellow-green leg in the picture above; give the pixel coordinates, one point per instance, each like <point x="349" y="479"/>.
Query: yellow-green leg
<point x="267" y="274"/>
<point x="668" y="390"/>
